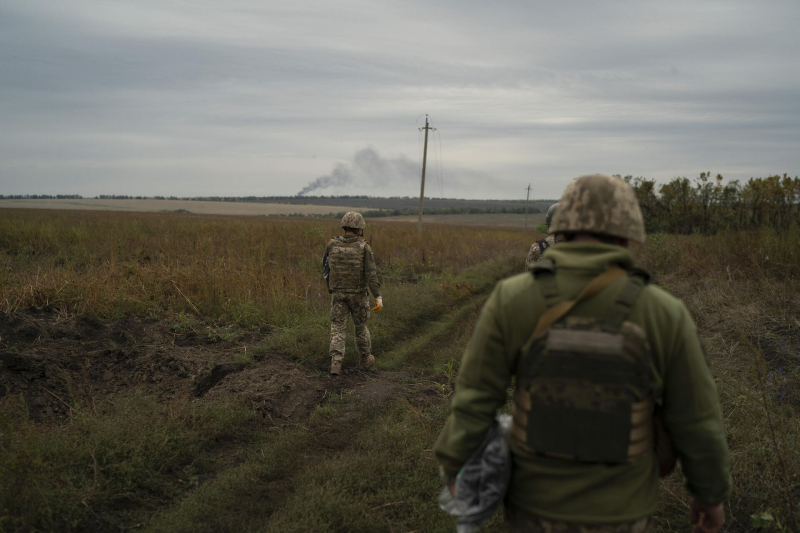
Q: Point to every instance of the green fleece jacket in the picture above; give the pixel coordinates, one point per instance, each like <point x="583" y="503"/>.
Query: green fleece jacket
<point x="570" y="491"/>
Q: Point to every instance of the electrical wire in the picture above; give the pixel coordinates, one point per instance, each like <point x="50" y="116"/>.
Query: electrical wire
<point x="439" y="160"/>
<point x="436" y="161"/>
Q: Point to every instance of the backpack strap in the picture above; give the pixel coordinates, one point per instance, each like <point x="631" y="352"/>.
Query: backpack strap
<point x="543" y="245"/>
<point x="556" y="312"/>
<point x="621" y="308"/>
<point x="545" y="276"/>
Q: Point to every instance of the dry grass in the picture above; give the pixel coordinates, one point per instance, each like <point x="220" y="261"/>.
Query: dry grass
<point x="489" y="219"/>
<point x="237" y="270"/>
<point x="743" y="290"/>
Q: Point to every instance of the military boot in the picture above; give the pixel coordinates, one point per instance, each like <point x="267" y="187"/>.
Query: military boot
<point x="368" y="361"/>
<point x="336" y="368"/>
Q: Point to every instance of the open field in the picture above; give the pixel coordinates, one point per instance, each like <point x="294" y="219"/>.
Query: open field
<point x="166" y="372"/>
<point x="191" y="206"/>
<point x="490" y="219"/>
<point x="410" y="202"/>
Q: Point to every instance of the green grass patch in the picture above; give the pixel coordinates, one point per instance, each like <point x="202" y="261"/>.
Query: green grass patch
<point x="382" y="482"/>
<point x="409" y="308"/>
<point x="240" y="498"/>
<point x="106" y="464"/>
<point x="440" y="343"/>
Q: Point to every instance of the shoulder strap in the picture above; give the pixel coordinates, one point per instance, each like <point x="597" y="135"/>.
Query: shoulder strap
<point x="544" y="274"/>
<point x="637" y="279"/>
<point x="554" y="313"/>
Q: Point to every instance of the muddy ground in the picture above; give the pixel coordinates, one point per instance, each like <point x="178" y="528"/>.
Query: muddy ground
<point x="57" y="362"/>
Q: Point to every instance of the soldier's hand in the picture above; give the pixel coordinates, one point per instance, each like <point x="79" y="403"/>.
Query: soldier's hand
<point x="706" y="518"/>
<point x="378" y="305"/>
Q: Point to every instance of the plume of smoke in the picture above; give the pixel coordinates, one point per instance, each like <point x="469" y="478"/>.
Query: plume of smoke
<point x="367" y="168"/>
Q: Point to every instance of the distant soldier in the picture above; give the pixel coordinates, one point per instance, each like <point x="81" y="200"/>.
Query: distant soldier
<point x="349" y="268"/>
<point x="538" y="248"/>
<point x="599" y="356"/>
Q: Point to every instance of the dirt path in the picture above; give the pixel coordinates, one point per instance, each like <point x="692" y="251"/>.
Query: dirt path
<point x="56" y="362"/>
<point x="309" y="419"/>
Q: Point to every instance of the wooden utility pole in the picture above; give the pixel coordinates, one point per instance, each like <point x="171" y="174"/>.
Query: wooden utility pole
<point x="527" y="197"/>
<point x="422" y="186"/>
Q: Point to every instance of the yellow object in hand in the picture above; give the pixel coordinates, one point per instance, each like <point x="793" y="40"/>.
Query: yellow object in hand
<point x="378" y="305"/>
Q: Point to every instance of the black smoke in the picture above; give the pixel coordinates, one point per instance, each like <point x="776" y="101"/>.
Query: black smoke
<point x="367" y="168"/>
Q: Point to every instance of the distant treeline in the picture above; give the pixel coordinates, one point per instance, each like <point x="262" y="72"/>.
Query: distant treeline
<point x="126" y="197"/>
<point x="41" y="197"/>
<point x="393" y="203"/>
<point x="273" y="199"/>
<point x="707" y="205"/>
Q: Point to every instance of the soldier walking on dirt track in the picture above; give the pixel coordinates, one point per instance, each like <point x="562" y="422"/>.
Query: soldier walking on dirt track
<point x="349" y="269"/>
<point x="611" y="383"/>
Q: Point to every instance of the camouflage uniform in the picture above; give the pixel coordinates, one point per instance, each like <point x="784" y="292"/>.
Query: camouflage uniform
<point x="536" y="251"/>
<point x="351" y="271"/>
<point x="538" y="248"/>
<point x="554" y="489"/>
<point x="342" y="306"/>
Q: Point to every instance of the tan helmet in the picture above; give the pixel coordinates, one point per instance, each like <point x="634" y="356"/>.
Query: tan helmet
<point x="353" y="220"/>
<point x="600" y="204"/>
<point x="551" y="212"/>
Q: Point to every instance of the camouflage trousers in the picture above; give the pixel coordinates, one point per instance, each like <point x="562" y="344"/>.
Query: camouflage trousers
<point x="518" y="521"/>
<point x="342" y="306"/>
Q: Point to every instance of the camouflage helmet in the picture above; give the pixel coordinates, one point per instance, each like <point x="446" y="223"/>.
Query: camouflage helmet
<point x="551" y="212"/>
<point x="600" y="204"/>
<point x="353" y="220"/>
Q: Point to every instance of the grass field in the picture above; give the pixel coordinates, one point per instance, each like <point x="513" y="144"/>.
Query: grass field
<point x="488" y="220"/>
<point x="168" y="372"/>
<point x="198" y="207"/>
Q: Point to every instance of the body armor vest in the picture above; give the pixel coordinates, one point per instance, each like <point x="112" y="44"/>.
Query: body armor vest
<point x="583" y="384"/>
<point x="346" y="261"/>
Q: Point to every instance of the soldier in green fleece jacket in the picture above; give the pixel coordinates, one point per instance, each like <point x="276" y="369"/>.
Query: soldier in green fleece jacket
<point x="589" y="379"/>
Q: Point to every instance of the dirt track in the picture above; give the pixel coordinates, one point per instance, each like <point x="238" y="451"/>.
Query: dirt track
<point x="58" y="362"/>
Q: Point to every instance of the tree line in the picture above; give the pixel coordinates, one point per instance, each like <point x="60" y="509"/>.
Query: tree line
<point x="708" y="205"/>
<point x="41" y="197"/>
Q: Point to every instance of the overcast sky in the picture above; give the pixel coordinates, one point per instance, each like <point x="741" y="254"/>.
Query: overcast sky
<point x="242" y="97"/>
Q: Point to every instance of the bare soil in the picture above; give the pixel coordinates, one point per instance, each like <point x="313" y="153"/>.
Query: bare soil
<point x="57" y="362"/>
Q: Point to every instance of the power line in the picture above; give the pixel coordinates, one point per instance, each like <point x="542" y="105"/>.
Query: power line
<point x="439" y="161"/>
<point x="419" y="151"/>
<point x="427" y="128"/>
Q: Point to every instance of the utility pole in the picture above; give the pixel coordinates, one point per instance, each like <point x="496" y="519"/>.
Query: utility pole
<point x="422" y="186"/>
<point x="527" y="197"/>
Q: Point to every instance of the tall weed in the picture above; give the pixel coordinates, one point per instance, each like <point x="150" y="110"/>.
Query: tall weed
<point x="101" y="465"/>
<point x="237" y="270"/>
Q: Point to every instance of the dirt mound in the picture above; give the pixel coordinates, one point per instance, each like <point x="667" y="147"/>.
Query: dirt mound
<point x="280" y="389"/>
<point x="56" y="363"/>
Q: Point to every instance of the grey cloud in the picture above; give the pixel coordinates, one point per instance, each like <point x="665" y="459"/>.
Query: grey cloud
<point x="236" y="96"/>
